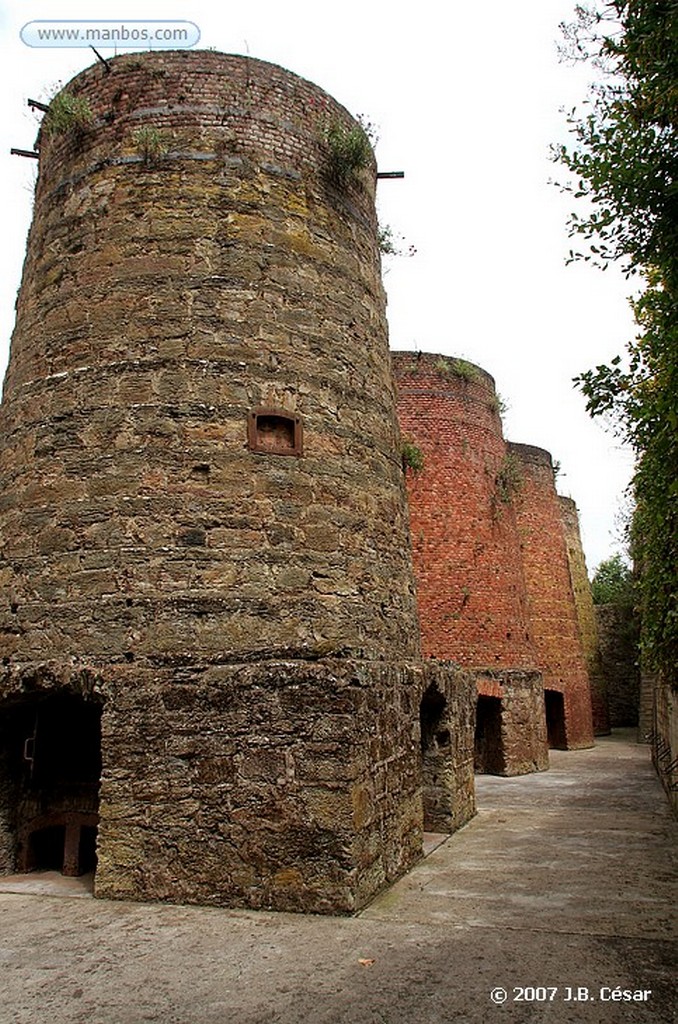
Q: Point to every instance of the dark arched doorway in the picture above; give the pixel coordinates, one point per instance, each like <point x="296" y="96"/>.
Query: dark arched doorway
<point x="437" y="766"/>
<point x="489" y="748"/>
<point x="554" y="703"/>
<point x="50" y="767"/>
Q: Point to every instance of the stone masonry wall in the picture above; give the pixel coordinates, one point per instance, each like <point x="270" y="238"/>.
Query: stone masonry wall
<point x="586" y="615"/>
<point x="202" y="498"/>
<point x="551" y="605"/>
<point x="285" y="785"/>
<point x="524" y="745"/>
<point x="161" y="303"/>
<point x="664" y="737"/>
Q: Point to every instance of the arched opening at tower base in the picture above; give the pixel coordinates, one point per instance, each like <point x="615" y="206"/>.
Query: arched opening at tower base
<point x="50" y="766"/>
<point x="437" y="771"/>
<point x="554" y="703"/>
<point x="488" y="749"/>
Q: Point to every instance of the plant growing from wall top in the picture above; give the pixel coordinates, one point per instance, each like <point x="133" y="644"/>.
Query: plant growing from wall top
<point x="498" y="405"/>
<point x="67" y="113"/>
<point x="349" y="151"/>
<point x="456" y="368"/>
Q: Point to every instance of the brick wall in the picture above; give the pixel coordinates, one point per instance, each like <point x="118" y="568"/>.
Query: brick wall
<point x="471" y="591"/>
<point x="551" y="605"/>
<point x="470" y="585"/>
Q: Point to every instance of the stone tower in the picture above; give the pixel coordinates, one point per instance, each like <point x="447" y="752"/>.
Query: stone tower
<point x="586" y="615"/>
<point x="204" y="551"/>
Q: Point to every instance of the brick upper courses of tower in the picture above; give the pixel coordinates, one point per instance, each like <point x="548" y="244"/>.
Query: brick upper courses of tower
<point x="467" y="557"/>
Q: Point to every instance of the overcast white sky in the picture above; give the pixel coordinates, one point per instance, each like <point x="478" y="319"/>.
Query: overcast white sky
<point x="467" y="99"/>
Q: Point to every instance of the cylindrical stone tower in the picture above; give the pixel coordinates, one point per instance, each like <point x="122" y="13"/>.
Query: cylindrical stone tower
<point x="471" y="590"/>
<point x="201" y="476"/>
<point x="199" y="399"/>
<point x="586" y="615"/>
<point x="551" y="605"/>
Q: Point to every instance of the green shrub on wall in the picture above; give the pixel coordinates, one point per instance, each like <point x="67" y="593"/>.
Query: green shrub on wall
<point x="349" y="151"/>
<point x="67" y="113"/>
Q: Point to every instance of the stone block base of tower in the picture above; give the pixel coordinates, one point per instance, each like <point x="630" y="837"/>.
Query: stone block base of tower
<point x="287" y="785"/>
<point x="510" y="735"/>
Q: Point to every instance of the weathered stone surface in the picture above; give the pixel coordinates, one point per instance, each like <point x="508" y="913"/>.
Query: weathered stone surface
<point x="519" y="744"/>
<point x="160" y="303"/>
<point x="290" y="785"/>
<point x="246" y="611"/>
<point x="663" y="735"/>
<point x="586" y="616"/>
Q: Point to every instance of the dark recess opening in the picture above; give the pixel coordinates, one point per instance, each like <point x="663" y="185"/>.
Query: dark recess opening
<point x="436" y="761"/>
<point x="489" y="748"/>
<point x="50" y="767"/>
<point x="555" y="719"/>
<point x="275" y="432"/>
<point x="47" y="847"/>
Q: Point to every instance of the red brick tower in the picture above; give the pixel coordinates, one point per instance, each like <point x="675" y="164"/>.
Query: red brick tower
<point x="551" y="604"/>
<point x="471" y="591"/>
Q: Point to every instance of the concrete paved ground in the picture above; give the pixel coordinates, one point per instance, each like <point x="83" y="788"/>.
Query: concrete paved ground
<point x="562" y="883"/>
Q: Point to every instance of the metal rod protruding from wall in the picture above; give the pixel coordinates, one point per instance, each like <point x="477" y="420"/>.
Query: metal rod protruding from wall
<point x="102" y="59"/>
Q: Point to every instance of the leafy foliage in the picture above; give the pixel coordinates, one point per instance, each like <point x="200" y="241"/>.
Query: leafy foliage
<point x="612" y="582"/>
<point x="67" y="113"/>
<point x="412" y="456"/>
<point x="624" y="164"/>
<point x="457" y="368"/>
<point x="349" y="151"/>
<point x="391" y="244"/>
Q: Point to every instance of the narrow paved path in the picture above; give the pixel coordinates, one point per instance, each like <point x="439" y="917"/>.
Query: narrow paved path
<point x="561" y="887"/>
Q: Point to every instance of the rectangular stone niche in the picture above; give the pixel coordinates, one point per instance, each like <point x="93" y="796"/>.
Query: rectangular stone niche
<point x="274" y="432"/>
<point x="282" y="785"/>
